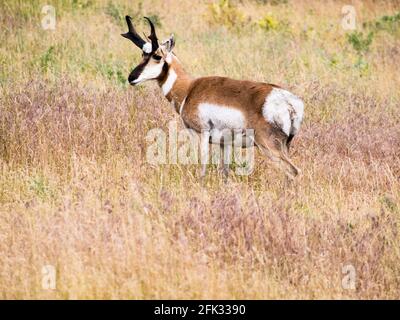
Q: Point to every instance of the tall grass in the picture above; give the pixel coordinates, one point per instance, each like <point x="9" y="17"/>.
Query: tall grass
<point x="77" y="193"/>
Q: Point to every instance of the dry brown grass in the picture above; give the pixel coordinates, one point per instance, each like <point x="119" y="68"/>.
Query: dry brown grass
<point x="76" y="191"/>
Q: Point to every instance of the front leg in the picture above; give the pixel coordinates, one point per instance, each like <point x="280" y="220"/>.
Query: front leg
<point x="204" y="151"/>
<point x="226" y="153"/>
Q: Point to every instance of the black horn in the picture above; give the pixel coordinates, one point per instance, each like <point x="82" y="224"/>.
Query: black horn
<point x="152" y="36"/>
<point x="132" y="34"/>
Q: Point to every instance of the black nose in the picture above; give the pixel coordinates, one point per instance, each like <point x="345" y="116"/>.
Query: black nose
<point x="130" y="79"/>
<point x="135" y="74"/>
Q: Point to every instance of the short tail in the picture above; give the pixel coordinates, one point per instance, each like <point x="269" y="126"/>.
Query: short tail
<point x="288" y="141"/>
<point x="284" y="110"/>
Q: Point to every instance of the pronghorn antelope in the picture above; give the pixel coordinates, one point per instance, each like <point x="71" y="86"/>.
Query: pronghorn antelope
<point x="214" y="104"/>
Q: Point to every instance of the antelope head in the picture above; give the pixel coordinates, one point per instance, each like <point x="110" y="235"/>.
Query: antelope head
<point x="155" y="57"/>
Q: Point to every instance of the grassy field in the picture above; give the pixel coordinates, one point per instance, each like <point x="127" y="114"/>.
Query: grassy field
<point x="77" y="193"/>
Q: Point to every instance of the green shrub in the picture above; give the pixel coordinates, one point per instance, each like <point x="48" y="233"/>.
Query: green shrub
<point x="362" y="66"/>
<point x="81" y="4"/>
<point x="116" y="12"/>
<point x="113" y="72"/>
<point x="390" y="24"/>
<point x="39" y="185"/>
<point x="225" y="13"/>
<point x="47" y="59"/>
<point x="359" y="41"/>
<point x="268" y="22"/>
<point x="155" y="18"/>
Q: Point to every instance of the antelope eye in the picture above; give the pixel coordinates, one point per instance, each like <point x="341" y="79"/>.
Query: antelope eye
<point x="157" y="57"/>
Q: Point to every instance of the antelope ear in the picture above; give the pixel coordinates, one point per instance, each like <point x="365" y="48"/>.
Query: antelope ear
<point x="169" y="43"/>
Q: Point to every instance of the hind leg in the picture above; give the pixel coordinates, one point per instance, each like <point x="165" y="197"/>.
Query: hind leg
<point x="287" y="143"/>
<point x="274" y="146"/>
<point x="226" y="154"/>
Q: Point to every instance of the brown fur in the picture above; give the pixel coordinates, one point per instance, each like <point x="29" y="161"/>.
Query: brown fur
<point x="181" y="86"/>
<point x="246" y="96"/>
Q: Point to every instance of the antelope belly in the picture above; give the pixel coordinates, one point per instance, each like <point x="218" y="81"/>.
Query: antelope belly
<point x="220" y="117"/>
<point x="239" y="138"/>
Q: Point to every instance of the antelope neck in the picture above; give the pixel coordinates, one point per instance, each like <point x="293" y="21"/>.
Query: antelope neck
<point x="175" y="83"/>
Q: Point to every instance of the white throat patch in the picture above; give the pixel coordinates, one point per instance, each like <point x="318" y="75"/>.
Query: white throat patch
<point x="169" y="83"/>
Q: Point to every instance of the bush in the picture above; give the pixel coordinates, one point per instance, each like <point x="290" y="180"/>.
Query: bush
<point x="226" y="14"/>
<point x="359" y="41"/>
<point x="47" y="59"/>
<point x="118" y="12"/>
<point x="268" y="23"/>
<point x="155" y="18"/>
<point x="385" y="23"/>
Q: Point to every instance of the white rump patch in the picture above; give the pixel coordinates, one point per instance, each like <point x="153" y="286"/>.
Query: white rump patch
<point x="284" y="109"/>
<point x="147" y="47"/>
<point x="169" y="83"/>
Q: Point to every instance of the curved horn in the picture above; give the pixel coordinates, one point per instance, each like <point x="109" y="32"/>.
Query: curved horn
<point x="152" y="36"/>
<point x="132" y="34"/>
